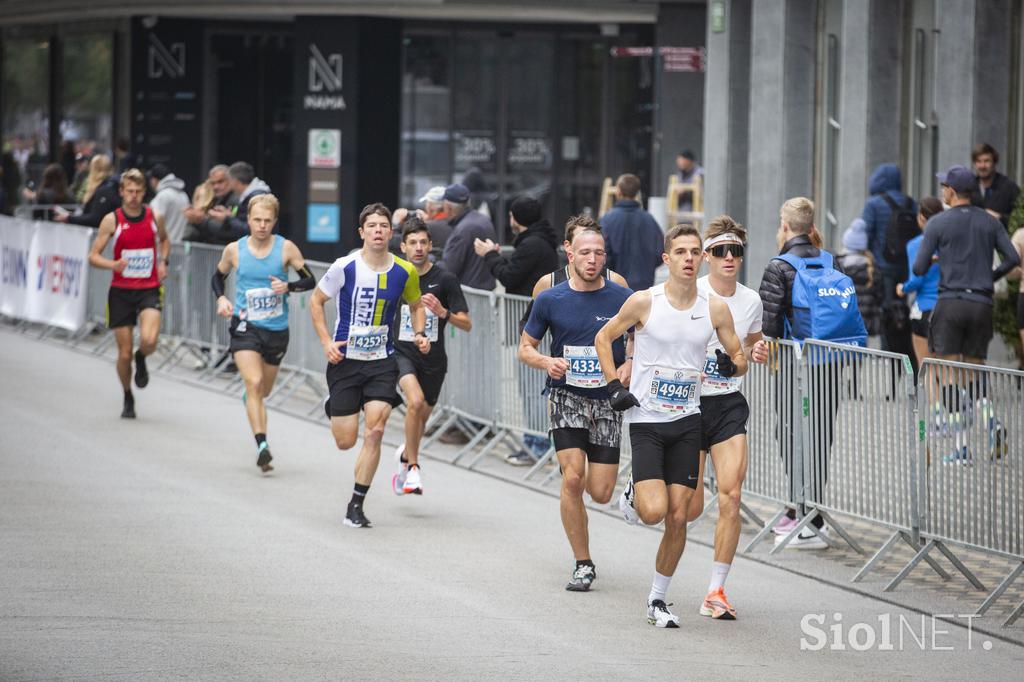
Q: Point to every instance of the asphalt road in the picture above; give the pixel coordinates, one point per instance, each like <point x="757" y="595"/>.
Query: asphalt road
<point x="154" y="549"/>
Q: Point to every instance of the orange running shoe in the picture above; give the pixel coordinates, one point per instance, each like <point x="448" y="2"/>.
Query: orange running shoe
<point x="717" y="606"/>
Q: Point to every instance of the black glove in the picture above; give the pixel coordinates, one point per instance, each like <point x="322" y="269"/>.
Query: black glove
<point x="620" y="398"/>
<point x="726" y="367"/>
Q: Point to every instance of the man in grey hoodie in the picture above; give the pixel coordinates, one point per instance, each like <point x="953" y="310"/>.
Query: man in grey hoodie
<point x="170" y="201"/>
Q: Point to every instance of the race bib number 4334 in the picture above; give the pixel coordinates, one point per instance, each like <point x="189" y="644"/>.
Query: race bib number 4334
<point x="367" y="343"/>
<point x="584" y="368"/>
<point x="674" y="391"/>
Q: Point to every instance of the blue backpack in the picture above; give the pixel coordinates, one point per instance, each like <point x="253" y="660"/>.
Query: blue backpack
<point x="824" y="303"/>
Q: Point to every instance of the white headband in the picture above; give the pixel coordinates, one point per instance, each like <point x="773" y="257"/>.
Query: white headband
<point x="718" y="239"/>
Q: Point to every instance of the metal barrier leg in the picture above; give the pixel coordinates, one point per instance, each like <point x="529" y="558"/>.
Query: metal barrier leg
<point x="445" y="425"/>
<point x="473" y="441"/>
<point x="766" y="530"/>
<point x="545" y="458"/>
<point x="998" y="592"/>
<point x="921" y="554"/>
<point x="1014" y="616"/>
<point x="485" y="450"/>
<point x="953" y="559"/>
<point x="754" y="518"/>
<point x="837" y="527"/>
<point x="898" y="535"/>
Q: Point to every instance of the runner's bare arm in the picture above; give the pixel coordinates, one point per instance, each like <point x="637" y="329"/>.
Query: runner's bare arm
<point x="96" y="257"/>
<point x="721" y="319"/>
<point x="543" y="284"/>
<point x="165" y="246"/>
<point x="460" y="320"/>
<point x="529" y="355"/>
<point x="755" y="347"/>
<point x="632" y="314"/>
<point x="418" y="314"/>
<point x="316" y="310"/>
<point x="625" y="370"/>
<point x="618" y="279"/>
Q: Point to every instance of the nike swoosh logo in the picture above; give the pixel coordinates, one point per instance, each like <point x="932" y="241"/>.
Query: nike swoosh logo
<point x="692" y="478"/>
<point x="431" y="286"/>
<point x="696" y="318"/>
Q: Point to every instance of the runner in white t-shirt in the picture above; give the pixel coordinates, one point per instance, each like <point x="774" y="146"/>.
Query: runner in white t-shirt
<point x="723" y="409"/>
<point x="674" y="325"/>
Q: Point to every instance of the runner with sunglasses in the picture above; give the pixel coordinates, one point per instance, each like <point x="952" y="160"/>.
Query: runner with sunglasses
<point x="723" y="409"/>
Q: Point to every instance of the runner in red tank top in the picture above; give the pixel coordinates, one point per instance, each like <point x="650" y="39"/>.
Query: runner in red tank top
<point x="141" y="253"/>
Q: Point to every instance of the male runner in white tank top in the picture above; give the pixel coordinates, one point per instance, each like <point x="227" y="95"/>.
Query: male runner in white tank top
<point x="674" y="325"/>
<point x="723" y="409"/>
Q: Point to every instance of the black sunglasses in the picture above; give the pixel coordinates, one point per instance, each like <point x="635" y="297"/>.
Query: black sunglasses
<point x="720" y="250"/>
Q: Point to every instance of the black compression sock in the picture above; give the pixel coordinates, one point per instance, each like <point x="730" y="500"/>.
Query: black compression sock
<point x="261" y="438"/>
<point x="359" y="493"/>
<point x="584" y="562"/>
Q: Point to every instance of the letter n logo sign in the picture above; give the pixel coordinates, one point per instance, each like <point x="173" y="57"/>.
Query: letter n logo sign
<point x="165" y="61"/>
<point x="324" y="72"/>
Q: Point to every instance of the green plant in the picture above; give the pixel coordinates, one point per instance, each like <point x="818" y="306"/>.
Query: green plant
<point x="1004" y="317"/>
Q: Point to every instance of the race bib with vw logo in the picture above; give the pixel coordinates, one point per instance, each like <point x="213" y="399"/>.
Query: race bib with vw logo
<point x="674" y="391"/>
<point x="584" y="368"/>
<point x="263" y="304"/>
<point x="715" y="381"/>
<point x="406" y="332"/>
<point x="140" y="263"/>
<point x="367" y="343"/>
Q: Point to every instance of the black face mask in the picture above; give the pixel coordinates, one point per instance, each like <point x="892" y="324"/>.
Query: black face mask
<point x="719" y="250"/>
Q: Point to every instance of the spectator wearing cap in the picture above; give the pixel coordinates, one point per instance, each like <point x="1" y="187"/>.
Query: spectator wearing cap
<point x="433" y="204"/>
<point x="467" y="226"/>
<point x="536" y="249"/>
<point x="170" y="201"/>
<point x="994" y="192"/>
<point x="964" y="238"/>
<point x="432" y="214"/>
<point x="633" y="239"/>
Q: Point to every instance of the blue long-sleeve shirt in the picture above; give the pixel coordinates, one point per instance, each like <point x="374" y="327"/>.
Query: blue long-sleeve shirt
<point x="927" y="285"/>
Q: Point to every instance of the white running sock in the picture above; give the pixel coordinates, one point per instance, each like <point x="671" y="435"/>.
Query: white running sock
<point x="659" y="588"/>
<point x="719" y="572"/>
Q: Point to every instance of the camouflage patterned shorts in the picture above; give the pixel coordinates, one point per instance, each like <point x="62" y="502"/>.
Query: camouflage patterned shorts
<point x="571" y="411"/>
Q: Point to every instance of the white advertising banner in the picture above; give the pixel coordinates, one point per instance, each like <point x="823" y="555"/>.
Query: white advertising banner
<point x="15" y="247"/>
<point x="45" y="266"/>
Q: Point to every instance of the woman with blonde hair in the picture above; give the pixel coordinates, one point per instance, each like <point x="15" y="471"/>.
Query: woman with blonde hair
<point x="101" y="195"/>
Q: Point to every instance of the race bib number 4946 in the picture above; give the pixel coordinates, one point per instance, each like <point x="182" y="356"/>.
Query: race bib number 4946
<point x="367" y="343"/>
<point x="140" y="263"/>
<point x="584" y="368"/>
<point x="674" y="391"/>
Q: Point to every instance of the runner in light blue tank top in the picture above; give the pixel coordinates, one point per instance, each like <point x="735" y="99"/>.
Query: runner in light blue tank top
<point x="255" y="301"/>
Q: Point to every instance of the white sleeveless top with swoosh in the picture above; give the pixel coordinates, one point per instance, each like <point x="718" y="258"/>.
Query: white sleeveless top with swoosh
<point x="668" y="357"/>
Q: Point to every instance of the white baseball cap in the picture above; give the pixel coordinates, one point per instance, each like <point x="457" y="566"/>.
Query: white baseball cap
<point x="434" y="194"/>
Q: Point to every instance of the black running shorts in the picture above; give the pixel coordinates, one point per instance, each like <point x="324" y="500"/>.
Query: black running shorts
<point x="920" y="327"/>
<point x="430" y="380"/>
<point x="960" y="327"/>
<point x="353" y="383"/>
<point x="667" y="451"/>
<point x="588" y="424"/>
<point x="124" y="305"/>
<point x="722" y="417"/>
<point x="270" y="344"/>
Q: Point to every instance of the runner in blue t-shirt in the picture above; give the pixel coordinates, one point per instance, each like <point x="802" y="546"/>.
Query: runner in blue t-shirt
<point x="584" y="426"/>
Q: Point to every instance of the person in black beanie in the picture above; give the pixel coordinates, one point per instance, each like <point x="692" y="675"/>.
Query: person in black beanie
<point x="536" y="249"/>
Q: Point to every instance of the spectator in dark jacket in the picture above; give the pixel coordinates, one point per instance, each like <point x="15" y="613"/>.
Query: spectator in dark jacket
<point x="204" y="226"/>
<point x="245" y="185"/>
<point x="796" y="223"/>
<point x="536" y="249"/>
<point x="995" y="192"/>
<point x="101" y="194"/>
<point x="468" y="225"/>
<point x="633" y="239"/>
<point x="857" y="262"/>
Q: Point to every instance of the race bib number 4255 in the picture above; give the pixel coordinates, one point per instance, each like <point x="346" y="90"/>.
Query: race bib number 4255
<point x="406" y="333"/>
<point x="584" y="368"/>
<point x="367" y="343"/>
<point x="674" y="391"/>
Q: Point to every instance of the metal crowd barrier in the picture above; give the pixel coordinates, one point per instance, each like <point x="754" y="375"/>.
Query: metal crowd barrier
<point x="834" y="431"/>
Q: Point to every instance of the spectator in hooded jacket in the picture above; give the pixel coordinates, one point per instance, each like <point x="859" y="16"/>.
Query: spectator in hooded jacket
<point x="170" y="201"/>
<point x="885" y="186"/>
<point x="633" y="239"/>
<point x="857" y="262"/>
<point x="536" y="249"/>
<point x="925" y="287"/>
<point x="101" y="194"/>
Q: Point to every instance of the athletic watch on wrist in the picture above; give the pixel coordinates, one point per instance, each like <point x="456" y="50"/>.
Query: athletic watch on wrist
<point x="421" y="333"/>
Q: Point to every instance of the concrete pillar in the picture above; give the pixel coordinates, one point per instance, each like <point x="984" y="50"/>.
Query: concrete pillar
<point x="727" y="114"/>
<point x="955" y="80"/>
<point x="993" y="55"/>
<point x="782" y="93"/>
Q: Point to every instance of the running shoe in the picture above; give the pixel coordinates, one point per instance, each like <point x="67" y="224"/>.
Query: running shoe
<point x="355" y="517"/>
<point x="520" y="459"/>
<point x="659" y="616"/>
<point x="141" y="373"/>
<point x="128" y="411"/>
<point x="398" y="480"/>
<point x="807" y="539"/>
<point x="960" y="456"/>
<point x="785" y="526"/>
<point x="626" y="507"/>
<point x="717" y="606"/>
<point x="263" y="458"/>
<point x="582" y="578"/>
<point x="413" y="485"/>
